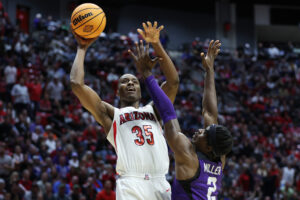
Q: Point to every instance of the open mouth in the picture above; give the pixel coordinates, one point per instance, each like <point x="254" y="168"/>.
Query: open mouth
<point x="131" y="89"/>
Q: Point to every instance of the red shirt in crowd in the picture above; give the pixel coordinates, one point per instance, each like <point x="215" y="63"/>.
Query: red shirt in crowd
<point x="244" y="181"/>
<point x="26" y="184"/>
<point x="104" y="195"/>
<point x="89" y="133"/>
<point x="35" y="91"/>
<point x="45" y="105"/>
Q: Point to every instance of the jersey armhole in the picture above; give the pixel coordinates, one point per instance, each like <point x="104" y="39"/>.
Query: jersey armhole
<point x="188" y="181"/>
<point x="186" y="184"/>
<point x="111" y="136"/>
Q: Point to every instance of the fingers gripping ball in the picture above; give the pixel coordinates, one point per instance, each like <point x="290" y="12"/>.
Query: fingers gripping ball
<point x="88" y="20"/>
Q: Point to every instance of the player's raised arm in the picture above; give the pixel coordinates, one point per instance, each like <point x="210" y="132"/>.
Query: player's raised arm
<point x="103" y="112"/>
<point x="178" y="142"/>
<point x="151" y="35"/>
<point x="209" y="102"/>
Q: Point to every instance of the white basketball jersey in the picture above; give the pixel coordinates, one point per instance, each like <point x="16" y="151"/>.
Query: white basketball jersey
<point x="138" y="140"/>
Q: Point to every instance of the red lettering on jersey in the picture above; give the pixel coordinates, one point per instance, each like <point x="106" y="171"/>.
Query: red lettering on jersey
<point x="136" y="116"/>
<point x="127" y="117"/>
<point x="122" y="120"/>
<point x="147" y="115"/>
<point x="131" y="116"/>
<point x="142" y="116"/>
<point x="152" y="117"/>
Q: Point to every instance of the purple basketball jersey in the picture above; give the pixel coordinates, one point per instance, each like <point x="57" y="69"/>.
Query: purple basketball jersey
<point x="205" y="185"/>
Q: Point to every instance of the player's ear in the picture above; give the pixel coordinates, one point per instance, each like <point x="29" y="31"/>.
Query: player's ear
<point x="118" y="95"/>
<point x="209" y="148"/>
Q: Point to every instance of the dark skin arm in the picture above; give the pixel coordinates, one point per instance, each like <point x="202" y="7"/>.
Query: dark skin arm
<point x="102" y="111"/>
<point x="186" y="160"/>
<point x="151" y="35"/>
<point x="209" y="102"/>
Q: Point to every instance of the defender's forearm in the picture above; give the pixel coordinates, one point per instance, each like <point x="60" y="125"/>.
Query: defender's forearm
<point x="209" y="101"/>
<point x="167" y="66"/>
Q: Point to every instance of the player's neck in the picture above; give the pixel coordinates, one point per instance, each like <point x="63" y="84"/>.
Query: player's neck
<point x="135" y="104"/>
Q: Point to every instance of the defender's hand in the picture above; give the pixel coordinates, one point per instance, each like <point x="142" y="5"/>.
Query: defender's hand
<point x="212" y="52"/>
<point x="142" y="60"/>
<point x="150" y="33"/>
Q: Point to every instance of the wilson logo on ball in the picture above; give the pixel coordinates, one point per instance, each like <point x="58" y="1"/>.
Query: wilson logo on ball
<point x="88" y="28"/>
<point x="81" y="17"/>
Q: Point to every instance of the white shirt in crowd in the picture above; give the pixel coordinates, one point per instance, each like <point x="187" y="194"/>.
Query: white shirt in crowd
<point x="51" y="144"/>
<point x="10" y="74"/>
<point x="287" y="176"/>
<point x="17" y="158"/>
<point x="55" y="90"/>
<point x="74" y="163"/>
<point x="20" y="93"/>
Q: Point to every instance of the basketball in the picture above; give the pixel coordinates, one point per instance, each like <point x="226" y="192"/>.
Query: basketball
<point x="88" y="20"/>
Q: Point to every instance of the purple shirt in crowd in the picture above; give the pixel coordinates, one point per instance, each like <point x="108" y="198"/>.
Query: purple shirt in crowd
<point x="203" y="186"/>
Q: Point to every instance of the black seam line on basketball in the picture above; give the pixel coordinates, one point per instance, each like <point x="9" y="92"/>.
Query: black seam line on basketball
<point x="97" y="27"/>
<point x="88" y="20"/>
<point x="80" y="11"/>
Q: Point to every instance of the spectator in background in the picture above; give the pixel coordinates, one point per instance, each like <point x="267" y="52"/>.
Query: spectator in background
<point x="2" y="189"/>
<point x="109" y="174"/>
<point x="89" y="190"/>
<point x="45" y="104"/>
<point x="48" y="195"/>
<point x="20" y="96"/>
<point x="43" y="182"/>
<point x="55" y="89"/>
<point x="74" y="161"/>
<point x="74" y="181"/>
<point x="107" y="193"/>
<point x="288" y="175"/>
<point x="61" y="195"/>
<point x="22" y="125"/>
<point x="50" y="143"/>
<point x="5" y="162"/>
<point x="36" y="134"/>
<point x="10" y="73"/>
<point x="35" y="91"/>
<point x="273" y="51"/>
<point x="62" y="168"/>
<point x="37" y="22"/>
<point x="97" y="184"/>
<point x="18" y="158"/>
<point x="34" y="193"/>
<point x="25" y="182"/>
<point x="76" y="192"/>
<point x="133" y="35"/>
<point x="164" y="39"/>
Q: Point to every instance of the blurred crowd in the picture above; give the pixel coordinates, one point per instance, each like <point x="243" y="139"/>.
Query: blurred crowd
<point x="51" y="148"/>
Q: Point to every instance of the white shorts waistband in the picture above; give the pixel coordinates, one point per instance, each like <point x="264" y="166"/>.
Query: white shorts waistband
<point x="145" y="176"/>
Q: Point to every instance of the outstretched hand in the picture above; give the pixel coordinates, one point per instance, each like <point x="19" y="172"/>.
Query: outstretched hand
<point x="212" y="52"/>
<point x="82" y="42"/>
<point x="150" y="33"/>
<point x="142" y="60"/>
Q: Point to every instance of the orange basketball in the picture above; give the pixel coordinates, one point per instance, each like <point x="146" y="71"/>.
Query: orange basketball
<point x="88" y="20"/>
